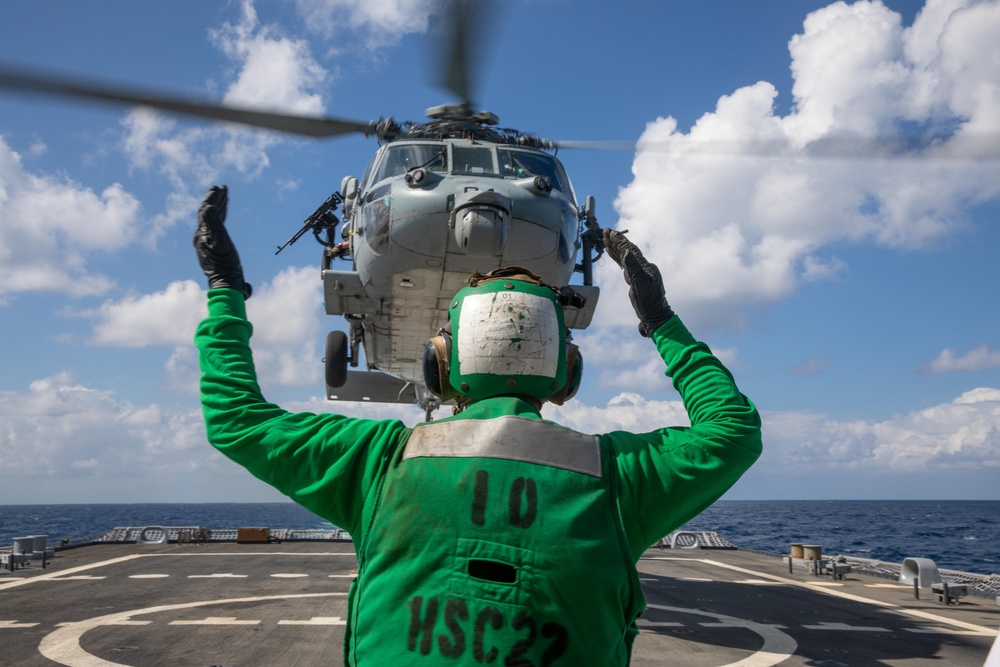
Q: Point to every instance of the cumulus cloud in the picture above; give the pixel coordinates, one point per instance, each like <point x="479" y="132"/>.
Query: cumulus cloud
<point x="621" y="361"/>
<point x="739" y="212"/>
<point x="625" y="412"/>
<point x="382" y="21"/>
<point x="53" y="228"/>
<point x="288" y="326"/>
<point x="276" y="71"/>
<point x="58" y="433"/>
<point x="272" y="71"/>
<point x="168" y="317"/>
<point x="962" y="434"/>
<point x="62" y="441"/>
<point x="976" y="359"/>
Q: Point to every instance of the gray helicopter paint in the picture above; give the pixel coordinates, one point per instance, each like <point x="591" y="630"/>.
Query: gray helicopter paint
<point x="414" y="246"/>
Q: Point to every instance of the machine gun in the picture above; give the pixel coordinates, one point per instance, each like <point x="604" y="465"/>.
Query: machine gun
<point x="322" y="219"/>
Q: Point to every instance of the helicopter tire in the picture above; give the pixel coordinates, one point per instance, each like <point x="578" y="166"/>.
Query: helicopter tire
<point x="336" y="358"/>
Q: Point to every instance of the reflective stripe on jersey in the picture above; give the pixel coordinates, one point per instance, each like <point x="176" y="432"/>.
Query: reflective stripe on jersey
<point x="510" y="437"/>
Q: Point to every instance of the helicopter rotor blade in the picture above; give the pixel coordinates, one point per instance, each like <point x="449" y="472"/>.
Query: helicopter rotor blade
<point x="464" y="46"/>
<point x="928" y="147"/>
<point x="308" y="126"/>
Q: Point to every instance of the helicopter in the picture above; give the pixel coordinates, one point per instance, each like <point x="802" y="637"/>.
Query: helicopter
<point x="439" y="200"/>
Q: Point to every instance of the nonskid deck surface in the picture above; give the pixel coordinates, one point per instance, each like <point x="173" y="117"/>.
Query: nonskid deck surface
<point x="230" y="604"/>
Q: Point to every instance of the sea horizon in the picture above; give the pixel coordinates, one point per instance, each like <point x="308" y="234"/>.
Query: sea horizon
<point x="961" y="535"/>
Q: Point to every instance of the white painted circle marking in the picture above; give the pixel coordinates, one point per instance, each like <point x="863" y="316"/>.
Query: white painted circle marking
<point x="778" y="646"/>
<point x="62" y="645"/>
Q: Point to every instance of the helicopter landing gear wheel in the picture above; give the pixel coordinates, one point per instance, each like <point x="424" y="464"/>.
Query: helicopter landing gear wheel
<point x="336" y="358"/>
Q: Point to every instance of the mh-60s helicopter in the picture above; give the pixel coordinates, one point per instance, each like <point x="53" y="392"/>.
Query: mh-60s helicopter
<point x="439" y="200"/>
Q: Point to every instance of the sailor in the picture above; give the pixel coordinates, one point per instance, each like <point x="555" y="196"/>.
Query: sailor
<point x="493" y="536"/>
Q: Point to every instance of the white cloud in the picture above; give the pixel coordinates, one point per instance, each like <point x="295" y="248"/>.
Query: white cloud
<point x="273" y="71"/>
<point x="59" y="430"/>
<point x="276" y="72"/>
<point x="625" y="412"/>
<point x="168" y="317"/>
<point x="61" y="441"/>
<point x="287" y="315"/>
<point x="962" y="434"/>
<point x="53" y="227"/>
<point x="633" y="364"/>
<point x="381" y="21"/>
<point x="976" y="359"/>
<point x="60" y="435"/>
<point x="742" y="230"/>
<point x="409" y="414"/>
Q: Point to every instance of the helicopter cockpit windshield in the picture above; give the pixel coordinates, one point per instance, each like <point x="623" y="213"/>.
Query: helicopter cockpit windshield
<point x="396" y="160"/>
<point x="400" y="158"/>
<point x="473" y="160"/>
<point x="524" y="164"/>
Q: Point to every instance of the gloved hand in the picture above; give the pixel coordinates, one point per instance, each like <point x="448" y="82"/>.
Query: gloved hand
<point x="643" y="278"/>
<point x="216" y="252"/>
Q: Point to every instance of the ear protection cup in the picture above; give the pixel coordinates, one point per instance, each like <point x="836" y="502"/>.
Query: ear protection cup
<point x="436" y="364"/>
<point x="574" y="374"/>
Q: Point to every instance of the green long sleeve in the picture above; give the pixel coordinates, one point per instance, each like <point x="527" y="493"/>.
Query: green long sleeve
<point x="326" y="462"/>
<point x="668" y="476"/>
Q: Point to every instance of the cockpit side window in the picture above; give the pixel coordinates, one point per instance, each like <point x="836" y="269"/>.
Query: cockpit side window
<point x="368" y="172"/>
<point x="473" y="160"/>
<point x="399" y="159"/>
<point x="525" y="164"/>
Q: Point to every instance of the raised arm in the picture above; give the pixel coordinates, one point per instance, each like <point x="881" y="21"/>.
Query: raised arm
<point x="325" y="462"/>
<point x="668" y="476"/>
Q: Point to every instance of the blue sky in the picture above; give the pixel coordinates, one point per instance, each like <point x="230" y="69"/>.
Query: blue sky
<point x="854" y="299"/>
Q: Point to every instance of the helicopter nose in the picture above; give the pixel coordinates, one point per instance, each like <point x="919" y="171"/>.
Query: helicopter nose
<point x="481" y="223"/>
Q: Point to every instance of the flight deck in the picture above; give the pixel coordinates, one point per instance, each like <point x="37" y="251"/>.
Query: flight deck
<point x="230" y="604"/>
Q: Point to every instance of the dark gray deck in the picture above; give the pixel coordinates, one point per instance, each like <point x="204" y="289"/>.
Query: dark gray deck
<point x="233" y="605"/>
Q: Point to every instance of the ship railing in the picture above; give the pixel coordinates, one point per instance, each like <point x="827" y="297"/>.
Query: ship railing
<point x="129" y="534"/>
<point x="695" y="539"/>
<point x="980" y="585"/>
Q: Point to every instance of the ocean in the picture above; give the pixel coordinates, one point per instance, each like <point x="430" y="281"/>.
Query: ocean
<point x="957" y="535"/>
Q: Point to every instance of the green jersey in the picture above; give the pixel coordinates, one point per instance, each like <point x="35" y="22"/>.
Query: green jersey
<point x="495" y="536"/>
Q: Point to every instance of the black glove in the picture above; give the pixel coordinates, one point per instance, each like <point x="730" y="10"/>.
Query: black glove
<point x="216" y="252"/>
<point x="643" y="278"/>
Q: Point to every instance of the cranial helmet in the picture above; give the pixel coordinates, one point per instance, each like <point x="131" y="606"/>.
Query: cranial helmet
<point x="505" y="335"/>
